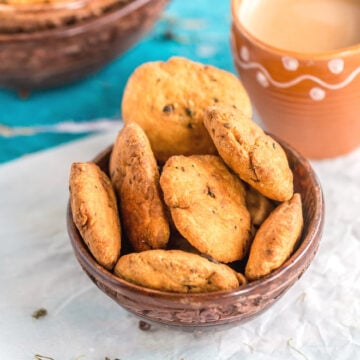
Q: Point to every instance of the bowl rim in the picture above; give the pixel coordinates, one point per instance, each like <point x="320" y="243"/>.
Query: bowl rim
<point x="341" y="52"/>
<point x="81" y="27"/>
<point x="309" y="240"/>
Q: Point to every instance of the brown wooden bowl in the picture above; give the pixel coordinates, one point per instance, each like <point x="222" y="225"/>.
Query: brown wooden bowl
<point x="75" y="47"/>
<point x="197" y="311"/>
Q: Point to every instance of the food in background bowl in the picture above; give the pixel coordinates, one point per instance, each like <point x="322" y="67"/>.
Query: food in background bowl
<point x="29" y="16"/>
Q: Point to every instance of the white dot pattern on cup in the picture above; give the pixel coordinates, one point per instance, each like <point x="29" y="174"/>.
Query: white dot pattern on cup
<point x="245" y="53"/>
<point x="264" y="78"/>
<point x="289" y="63"/>
<point x="317" y="94"/>
<point x="261" y="79"/>
<point x="336" y="66"/>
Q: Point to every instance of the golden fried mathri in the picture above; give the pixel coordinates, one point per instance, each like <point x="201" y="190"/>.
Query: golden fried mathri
<point x="95" y="213"/>
<point x="254" y="156"/>
<point x="207" y="205"/>
<point x="135" y="176"/>
<point x="176" y="271"/>
<point x="258" y="205"/>
<point x="168" y="99"/>
<point x="276" y="238"/>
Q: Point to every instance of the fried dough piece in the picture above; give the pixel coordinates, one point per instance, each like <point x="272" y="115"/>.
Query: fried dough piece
<point x="95" y="213"/>
<point x="207" y="205"/>
<point x="257" y="158"/>
<point x="168" y="99"/>
<point x="276" y="238"/>
<point x="176" y="271"/>
<point x="135" y="176"/>
<point x="258" y="205"/>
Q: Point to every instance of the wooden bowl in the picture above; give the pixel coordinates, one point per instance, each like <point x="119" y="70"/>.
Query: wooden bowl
<point x="311" y="100"/>
<point x="58" y="44"/>
<point x="194" y="311"/>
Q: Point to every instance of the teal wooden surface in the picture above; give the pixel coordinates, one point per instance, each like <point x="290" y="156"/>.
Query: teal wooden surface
<point x="198" y="30"/>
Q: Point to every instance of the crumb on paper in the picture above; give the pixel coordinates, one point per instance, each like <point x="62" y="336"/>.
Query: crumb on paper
<point x="144" y="326"/>
<point x="39" y="313"/>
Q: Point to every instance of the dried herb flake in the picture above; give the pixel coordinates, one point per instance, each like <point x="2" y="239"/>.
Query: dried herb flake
<point x="42" y="357"/>
<point x="188" y="112"/>
<point x="210" y="193"/>
<point x="168" y="108"/>
<point x="37" y="314"/>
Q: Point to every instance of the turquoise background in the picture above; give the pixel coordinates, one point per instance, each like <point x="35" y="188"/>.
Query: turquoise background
<point x="198" y="30"/>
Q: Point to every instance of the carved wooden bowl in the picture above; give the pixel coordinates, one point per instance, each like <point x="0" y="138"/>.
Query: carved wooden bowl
<point x="61" y="42"/>
<point x="198" y="311"/>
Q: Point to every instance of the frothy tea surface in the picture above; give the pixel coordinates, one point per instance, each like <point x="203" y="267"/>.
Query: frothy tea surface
<point x="308" y="26"/>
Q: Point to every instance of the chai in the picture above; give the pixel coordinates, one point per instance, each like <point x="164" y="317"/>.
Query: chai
<point x="306" y="26"/>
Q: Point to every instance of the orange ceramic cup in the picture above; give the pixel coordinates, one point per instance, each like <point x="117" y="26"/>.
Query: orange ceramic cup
<point x="311" y="100"/>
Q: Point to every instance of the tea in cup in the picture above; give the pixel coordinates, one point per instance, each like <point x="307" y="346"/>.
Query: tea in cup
<point x="300" y="63"/>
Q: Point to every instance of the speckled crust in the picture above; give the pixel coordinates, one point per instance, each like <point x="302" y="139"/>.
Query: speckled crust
<point x="168" y="100"/>
<point x="276" y="238"/>
<point x="95" y="213"/>
<point x="135" y="176"/>
<point x="176" y="271"/>
<point x="258" y="205"/>
<point x="256" y="157"/>
<point x="207" y="204"/>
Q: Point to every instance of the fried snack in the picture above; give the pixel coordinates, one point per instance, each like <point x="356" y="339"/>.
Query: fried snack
<point x="258" y="205"/>
<point x="257" y="158"/>
<point x="135" y="176"/>
<point x="207" y="205"/>
<point x="168" y="99"/>
<point x="276" y="238"/>
<point x="95" y="213"/>
<point x="176" y="271"/>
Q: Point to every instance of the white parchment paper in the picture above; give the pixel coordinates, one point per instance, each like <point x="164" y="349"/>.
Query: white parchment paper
<point x="318" y="318"/>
